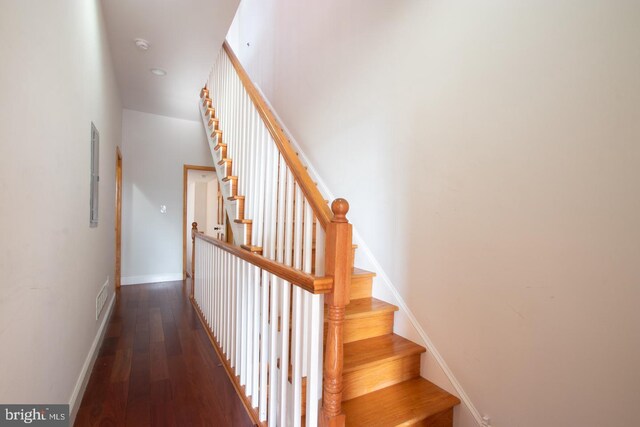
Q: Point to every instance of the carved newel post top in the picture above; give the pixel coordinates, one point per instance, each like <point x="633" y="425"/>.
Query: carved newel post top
<point x="194" y="226"/>
<point x="340" y="207"/>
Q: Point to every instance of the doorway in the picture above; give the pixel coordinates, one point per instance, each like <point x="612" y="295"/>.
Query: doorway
<point x="118" y="221"/>
<point x="202" y="203"/>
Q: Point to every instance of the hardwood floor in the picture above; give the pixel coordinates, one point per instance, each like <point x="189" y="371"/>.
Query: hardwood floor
<point x="156" y="367"/>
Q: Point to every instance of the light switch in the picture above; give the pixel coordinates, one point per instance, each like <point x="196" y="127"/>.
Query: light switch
<point x="163" y="209"/>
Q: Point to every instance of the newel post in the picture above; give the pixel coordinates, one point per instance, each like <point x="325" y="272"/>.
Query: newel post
<point x="338" y="264"/>
<point x="194" y="230"/>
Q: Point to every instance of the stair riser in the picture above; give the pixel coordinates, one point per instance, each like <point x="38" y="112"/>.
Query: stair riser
<point x="226" y="168"/>
<point x="361" y="287"/>
<point x="366" y="380"/>
<point x="247" y="234"/>
<point x="366" y="327"/>
<point x="240" y="208"/>
<point x="221" y="152"/>
<point x="233" y="187"/>
<point x="441" y="419"/>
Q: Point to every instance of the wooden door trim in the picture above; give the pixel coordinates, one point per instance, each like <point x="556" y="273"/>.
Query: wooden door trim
<point x="118" y="220"/>
<point x="185" y="174"/>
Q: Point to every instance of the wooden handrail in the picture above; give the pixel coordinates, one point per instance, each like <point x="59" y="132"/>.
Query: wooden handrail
<point x="315" y="199"/>
<point x="315" y="285"/>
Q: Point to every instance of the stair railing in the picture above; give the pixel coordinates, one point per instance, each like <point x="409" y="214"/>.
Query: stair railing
<point x="279" y="217"/>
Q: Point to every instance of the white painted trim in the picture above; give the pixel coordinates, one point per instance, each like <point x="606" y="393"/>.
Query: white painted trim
<point x="87" y="367"/>
<point x="150" y="278"/>
<point x="364" y="249"/>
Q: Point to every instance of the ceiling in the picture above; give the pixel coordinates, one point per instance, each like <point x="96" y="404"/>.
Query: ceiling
<point x="184" y="37"/>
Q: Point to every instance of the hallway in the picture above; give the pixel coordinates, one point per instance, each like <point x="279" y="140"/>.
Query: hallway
<point x="156" y="366"/>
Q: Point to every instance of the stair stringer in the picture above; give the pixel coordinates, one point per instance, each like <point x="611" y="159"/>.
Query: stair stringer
<point x="230" y="206"/>
<point x="405" y="324"/>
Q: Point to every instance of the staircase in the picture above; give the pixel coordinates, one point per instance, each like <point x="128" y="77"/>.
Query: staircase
<point x="381" y="376"/>
<point x="378" y="382"/>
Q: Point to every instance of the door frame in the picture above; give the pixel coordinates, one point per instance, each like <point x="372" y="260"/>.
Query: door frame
<point x="118" y="220"/>
<point x="185" y="175"/>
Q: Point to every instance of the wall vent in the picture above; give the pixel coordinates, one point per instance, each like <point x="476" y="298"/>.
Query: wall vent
<point x="101" y="299"/>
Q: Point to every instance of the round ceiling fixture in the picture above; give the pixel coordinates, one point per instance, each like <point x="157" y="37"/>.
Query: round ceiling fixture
<point x="158" y="72"/>
<point x="141" y="44"/>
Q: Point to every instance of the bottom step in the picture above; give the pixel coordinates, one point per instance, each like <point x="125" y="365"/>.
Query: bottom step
<point x="413" y="402"/>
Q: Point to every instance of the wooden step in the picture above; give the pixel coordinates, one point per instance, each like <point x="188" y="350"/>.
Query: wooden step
<point x="226" y="165"/>
<point x="366" y="318"/>
<point x="239" y="205"/>
<point x="233" y="181"/>
<point x="248" y="229"/>
<point x="361" y="283"/>
<point x="222" y="147"/>
<point x="379" y="362"/>
<point x="216" y="134"/>
<point x="412" y="402"/>
<point x="254" y="249"/>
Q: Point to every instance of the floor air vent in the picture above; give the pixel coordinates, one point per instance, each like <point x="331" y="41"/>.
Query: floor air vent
<point x="101" y="299"/>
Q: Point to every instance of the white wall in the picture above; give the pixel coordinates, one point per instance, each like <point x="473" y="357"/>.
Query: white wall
<point x="155" y="150"/>
<point x="56" y="77"/>
<point x="497" y="145"/>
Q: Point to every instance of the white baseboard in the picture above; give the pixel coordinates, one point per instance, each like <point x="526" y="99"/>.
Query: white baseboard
<point x="85" y="373"/>
<point x="364" y="249"/>
<point x="151" y="278"/>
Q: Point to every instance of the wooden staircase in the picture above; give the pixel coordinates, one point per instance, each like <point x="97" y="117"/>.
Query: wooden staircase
<point x="381" y="378"/>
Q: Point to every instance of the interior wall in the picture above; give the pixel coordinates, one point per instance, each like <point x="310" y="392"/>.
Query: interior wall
<point x="155" y="150"/>
<point x="490" y="154"/>
<point x="56" y="78"/>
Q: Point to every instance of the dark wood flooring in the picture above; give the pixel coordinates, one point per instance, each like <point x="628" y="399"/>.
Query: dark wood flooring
<point x="156" y="366"/>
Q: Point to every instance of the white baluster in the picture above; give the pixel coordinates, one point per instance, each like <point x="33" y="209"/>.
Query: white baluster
<point x="217" y="288"/>
<point x="297" y="330"/>
<point x="307" y="263"/>
<point x="224" y="307"/>
<point x="256" y="336"/>
<point x="229" y="309"/>
<point x="249" y="330"/>
<point x="273" y="351"/>
<point x="264" y="345"/>
<point x="261" y="184"/>
<point x="314" y="376"/>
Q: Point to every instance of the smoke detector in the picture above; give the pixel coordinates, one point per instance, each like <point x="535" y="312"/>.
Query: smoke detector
<point x="142" y="44"/>
<point x="158" y="72"/>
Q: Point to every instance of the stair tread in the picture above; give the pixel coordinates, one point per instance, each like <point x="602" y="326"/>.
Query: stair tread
<point x="372" y="351"/>
<point x="362" y="273"/>
<point x="400" y="404"/>
<point x="363" y="307"/>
